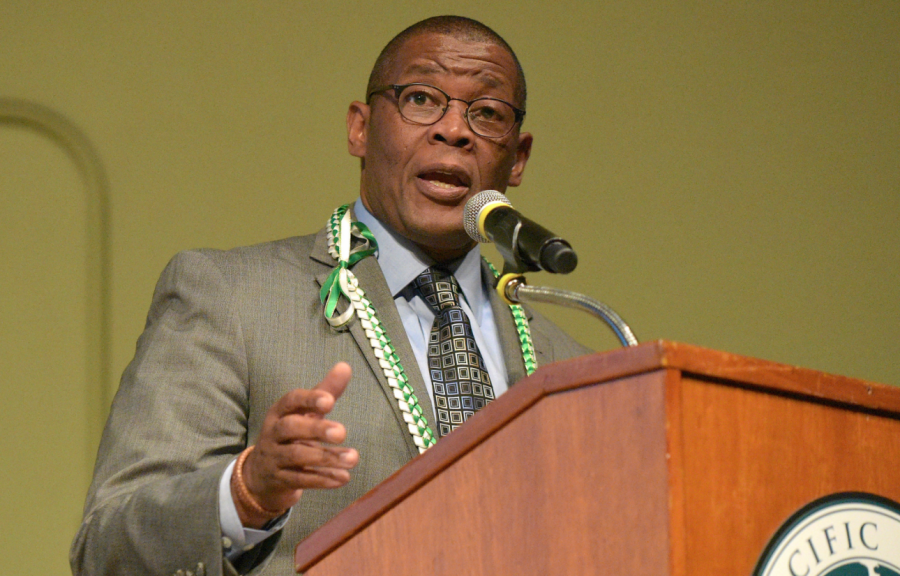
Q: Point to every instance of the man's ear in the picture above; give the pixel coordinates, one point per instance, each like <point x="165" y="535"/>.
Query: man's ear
<point x="523" y="151"/>
<point x="357" y="128"/>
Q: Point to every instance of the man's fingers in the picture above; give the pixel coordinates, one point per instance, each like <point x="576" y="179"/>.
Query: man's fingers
<point x="301" y="456"/>
<point x="320" y="400"/>
<point x="336" y="380"/>
<point x="294" y="452"/>
<point x="314" y="477"/>
<point x="275" y="475"/>
<point x="300" y="428"/>
<point x="293" y="467"/>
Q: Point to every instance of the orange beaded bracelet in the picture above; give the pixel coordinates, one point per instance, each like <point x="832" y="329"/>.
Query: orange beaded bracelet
<point x="243" y="493"/>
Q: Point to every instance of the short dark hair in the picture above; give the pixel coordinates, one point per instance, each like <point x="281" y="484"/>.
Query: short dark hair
<point x="459" y="27"/>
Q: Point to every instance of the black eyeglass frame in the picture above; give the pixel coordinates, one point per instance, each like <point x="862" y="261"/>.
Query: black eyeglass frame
<point x="518" y="114"/>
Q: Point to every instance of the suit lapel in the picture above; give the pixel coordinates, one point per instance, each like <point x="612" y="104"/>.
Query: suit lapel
<point x="372" y="281"/>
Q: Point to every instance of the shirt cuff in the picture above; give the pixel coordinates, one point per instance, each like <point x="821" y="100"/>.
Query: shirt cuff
<point x="236" y="540"/>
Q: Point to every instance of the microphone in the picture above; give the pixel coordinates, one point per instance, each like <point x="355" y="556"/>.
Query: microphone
<point x="524" y="244"/>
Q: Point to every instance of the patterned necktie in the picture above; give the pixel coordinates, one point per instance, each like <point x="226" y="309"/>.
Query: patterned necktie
<point x="460" y="381"/>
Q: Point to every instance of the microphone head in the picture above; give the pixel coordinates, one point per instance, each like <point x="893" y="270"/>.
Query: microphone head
<point x="472" y="213"/>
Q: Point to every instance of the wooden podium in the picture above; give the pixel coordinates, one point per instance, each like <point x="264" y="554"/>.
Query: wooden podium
<point x="659" y="459"/>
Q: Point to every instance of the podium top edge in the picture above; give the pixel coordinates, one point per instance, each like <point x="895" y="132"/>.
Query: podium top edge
<point x="721" y="366"/>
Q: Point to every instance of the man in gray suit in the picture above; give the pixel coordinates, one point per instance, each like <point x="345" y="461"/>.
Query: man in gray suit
<point x="218" y="456"/>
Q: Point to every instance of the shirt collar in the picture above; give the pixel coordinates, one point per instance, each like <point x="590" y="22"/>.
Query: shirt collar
<point x="401" y="261"/>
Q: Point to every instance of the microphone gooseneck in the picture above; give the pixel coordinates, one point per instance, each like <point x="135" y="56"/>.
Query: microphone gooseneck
<point x="526" y="246"/>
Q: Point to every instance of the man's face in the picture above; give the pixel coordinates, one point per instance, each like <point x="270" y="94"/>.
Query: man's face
<point x="417" y="179"/>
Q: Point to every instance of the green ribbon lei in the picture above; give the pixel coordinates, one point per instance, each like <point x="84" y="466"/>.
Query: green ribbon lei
<point x="341" y="282"/>
<point x="336" y="285"/>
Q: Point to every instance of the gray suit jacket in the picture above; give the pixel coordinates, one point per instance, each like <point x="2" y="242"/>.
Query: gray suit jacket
<point x="229" y="333"/>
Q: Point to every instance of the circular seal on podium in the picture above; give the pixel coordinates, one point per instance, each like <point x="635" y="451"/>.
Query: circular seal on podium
<point x="846" y="534"/>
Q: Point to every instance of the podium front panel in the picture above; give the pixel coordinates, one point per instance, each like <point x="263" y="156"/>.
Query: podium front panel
<point x="576" y="484"/>
<point x="752" y="458"/>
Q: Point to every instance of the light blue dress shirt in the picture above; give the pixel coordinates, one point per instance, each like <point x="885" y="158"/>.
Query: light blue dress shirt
<point x="401" y="262"/>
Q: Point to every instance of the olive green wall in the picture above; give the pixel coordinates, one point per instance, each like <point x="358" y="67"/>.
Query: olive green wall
<point x="729" y="172"/>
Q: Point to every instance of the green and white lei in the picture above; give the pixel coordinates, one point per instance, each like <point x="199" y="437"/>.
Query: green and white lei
<point x="343" y="283"/>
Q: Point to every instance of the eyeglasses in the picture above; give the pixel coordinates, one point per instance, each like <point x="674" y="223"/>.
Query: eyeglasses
<point x="425" y="105"/>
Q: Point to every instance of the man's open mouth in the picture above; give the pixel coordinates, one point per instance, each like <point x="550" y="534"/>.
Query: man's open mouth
<point x="445" y="179"/>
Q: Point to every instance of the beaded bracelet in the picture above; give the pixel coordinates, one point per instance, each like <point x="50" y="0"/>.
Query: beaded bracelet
<point x="243" y="493"/>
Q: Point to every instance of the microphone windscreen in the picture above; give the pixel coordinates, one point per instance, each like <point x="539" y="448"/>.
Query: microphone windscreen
<point x="472" y="212"/>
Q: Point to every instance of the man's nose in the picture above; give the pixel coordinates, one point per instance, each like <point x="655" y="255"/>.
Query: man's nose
<point x="452" y="128"/>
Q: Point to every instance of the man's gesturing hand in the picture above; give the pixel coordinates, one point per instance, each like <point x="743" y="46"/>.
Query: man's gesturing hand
<point x="294" y="450"/>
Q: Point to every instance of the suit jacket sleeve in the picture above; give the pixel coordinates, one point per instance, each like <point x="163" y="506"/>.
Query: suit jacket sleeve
<point x="178" y="419"/>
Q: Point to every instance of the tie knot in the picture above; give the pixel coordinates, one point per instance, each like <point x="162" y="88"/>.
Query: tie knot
<point x="439" y="289"/>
